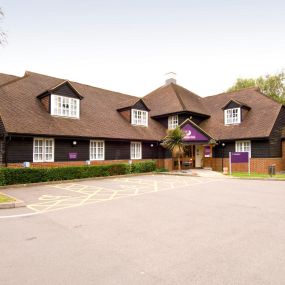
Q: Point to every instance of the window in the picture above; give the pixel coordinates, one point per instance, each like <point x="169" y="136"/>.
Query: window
<point x="243" y="146"/>
<point x="43" y="150"/>
<point x="172" y="122"/>
<point x="97" y="150"/>
<point x="64" y="106"/>
<point x="139" y="117"/>
<point x="136" y="150"/>
<point x="232" y="116"/>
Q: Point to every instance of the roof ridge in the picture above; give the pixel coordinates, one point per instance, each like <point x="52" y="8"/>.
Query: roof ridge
<point x="178" y="96"/>
<point x="187" y="90"/>
<point x="14" y="80"/>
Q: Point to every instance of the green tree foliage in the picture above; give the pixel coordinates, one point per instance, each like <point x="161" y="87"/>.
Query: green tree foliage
<point x="3" y="37"/>
<point x="271" y="85"/>
<point x="174" y="142"/>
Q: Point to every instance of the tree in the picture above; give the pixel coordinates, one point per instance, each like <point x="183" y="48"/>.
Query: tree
<point x="2" y="34"/>
<point x="271" y="85"/>
<point x="174" y="142"/>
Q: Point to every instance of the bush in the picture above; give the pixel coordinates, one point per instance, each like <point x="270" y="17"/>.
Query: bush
<point x="140" y="167"/>
<point x="9" y="176"/>
<point x="161" y="169"/>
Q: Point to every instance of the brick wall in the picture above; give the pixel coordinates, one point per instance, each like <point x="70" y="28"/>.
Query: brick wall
<point x="257" y="165"/>
<point x="159" y="163"/>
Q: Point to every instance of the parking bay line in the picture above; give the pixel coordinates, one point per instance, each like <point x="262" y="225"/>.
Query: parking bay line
<point x="93" y="202"/>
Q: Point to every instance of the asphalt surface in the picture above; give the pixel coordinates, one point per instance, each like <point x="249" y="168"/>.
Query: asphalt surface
<point x="146" y="230"/>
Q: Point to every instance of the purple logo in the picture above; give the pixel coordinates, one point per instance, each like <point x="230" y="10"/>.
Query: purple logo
<point x="72" y="155"/>
<point x="191" y="134"/>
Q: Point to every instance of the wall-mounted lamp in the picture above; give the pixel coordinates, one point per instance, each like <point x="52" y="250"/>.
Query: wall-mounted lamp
<point x="151" y="145"/>
<point x="74" y="143"/>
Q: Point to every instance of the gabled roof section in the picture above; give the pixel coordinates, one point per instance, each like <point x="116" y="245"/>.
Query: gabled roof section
<point x="198" y="128"/>
<point x="129" y="104"/>
<point x="58" y="88"/>
<point x="237" y="103"/>
<point x="7" y="78"/>
<point x="173" y="98"/>
<point x="258" y="123"/>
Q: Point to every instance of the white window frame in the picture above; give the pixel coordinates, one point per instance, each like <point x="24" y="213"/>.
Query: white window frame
<point x="173" y="122"/>
<point x="232" y="116"/>
<point x="94" y="150"/>
<point x="139" y="117"/>
<point x="64" y="106"/>
<point x="136" y="150"/>
<point x="243" y="146"/>
<point x="43" y="152"/>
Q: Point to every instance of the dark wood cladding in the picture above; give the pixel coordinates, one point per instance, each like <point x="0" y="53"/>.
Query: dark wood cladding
<point x="232" y="105"/>
<point x="65" y="146"/>
<point x="117" y="150"/>
<point x="2" y="128"/>
<point x="276" y="135"/>
<point x="65" y="90"/>
<point x="19" y="149"/>
<point x="140" y="106"/>
<point x="152" y="150"/>
<point x="259" y="149"/>
<point x="218" y="149"/>
<point x="181" y="118"/>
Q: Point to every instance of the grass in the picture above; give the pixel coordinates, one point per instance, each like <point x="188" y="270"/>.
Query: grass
<point x="257" y="175"/>
<point x="4" y="199"/>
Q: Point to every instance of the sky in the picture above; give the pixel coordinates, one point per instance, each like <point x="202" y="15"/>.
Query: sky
<point x="128" y="46"/>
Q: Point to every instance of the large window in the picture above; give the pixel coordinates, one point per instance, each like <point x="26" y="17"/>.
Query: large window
<point x="243" y="146"/>
<point x="139" y="117"/>
<point x="232" y="116"/>
<point x="172" y="122"/>
<point x="97" y="150"/>
<point x="136" y="150"/>
<point x="43" y="150"/>
<point x="65" y="106"/>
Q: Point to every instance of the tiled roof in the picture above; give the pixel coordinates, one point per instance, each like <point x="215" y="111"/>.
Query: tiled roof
<point x="22" y="112"/>
<point x="257" y="123"/>
<point x="173" y="98"/>
<point x="6" y="78"/>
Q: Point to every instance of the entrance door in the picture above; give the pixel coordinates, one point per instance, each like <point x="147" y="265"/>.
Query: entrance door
<point x="198" y="155"/>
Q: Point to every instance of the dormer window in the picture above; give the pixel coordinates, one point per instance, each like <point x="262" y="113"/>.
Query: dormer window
<point x="139" y="117"/>
<point x="64" y="106"/>
<point x="172" y="122"/>
<point x="232" y="116"/>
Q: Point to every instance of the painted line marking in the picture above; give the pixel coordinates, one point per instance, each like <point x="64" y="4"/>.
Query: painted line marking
<point x="91" y="201"/>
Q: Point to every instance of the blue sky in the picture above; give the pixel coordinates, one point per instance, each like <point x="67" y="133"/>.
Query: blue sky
<point x="128" y="46"/>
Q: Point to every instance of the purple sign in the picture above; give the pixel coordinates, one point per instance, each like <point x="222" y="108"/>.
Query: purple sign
<point x="72" y="155"/>
<point x="239" y="157"/>
<point x="193" y="134"/>
<point x="207" y="151"/>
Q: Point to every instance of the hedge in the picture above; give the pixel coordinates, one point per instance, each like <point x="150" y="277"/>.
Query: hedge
<point x="9" y="176"/>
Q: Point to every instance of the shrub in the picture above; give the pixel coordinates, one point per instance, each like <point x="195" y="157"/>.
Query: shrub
<point x="161" y="169"/>
<point x="9" y="176"/>
<point x="140" y="167"/>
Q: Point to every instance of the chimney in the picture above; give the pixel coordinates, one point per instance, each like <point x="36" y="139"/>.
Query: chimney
<point x="170" y="77"/>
